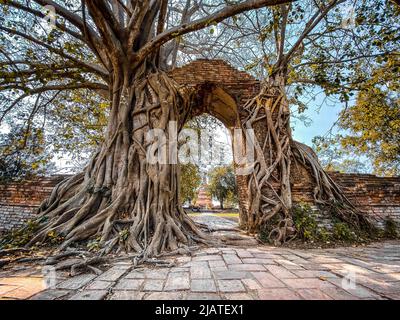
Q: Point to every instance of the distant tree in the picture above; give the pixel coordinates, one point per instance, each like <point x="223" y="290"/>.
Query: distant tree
<point x="232" y="199"/>
<point x="190" y="181"/>
<point x="23" y="155"/>
<point x="222" y="184"/>
<point x="370" y="126"/>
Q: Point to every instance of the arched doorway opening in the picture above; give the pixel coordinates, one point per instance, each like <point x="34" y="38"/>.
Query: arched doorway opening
<point x="221" y="91"/>
<point x="212" y="101"/>
<point x="208" y="185"/>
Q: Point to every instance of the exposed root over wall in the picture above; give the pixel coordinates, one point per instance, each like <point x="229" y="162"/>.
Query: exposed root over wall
<point x="275" y="153"/>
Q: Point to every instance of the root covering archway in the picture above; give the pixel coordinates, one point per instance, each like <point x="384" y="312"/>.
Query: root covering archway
<point x="123" y="201"/>
<point x="279" y="162"/>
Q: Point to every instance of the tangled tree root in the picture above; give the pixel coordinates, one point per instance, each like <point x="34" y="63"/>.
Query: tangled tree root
<point x="13" y="251"/>
<point x="269" y="185"/>
<point x="327" y="193"/>
<point x="123" y="202"/>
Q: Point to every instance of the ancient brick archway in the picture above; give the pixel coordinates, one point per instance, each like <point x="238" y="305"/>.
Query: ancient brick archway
<point x="221" y="77"/>
<point x="221" y="91"/>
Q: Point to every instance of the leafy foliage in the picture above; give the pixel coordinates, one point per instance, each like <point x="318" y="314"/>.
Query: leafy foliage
<point x="190" y="181"/>
<point x="309" y="230"/>
<point x="19" y="237"/>
<point x="371" y="127"/>
<point x="391" y="229"/>
<point x="342" y="231"/>
<point x="306" y="225"/>
<point x="23" y="154"/>
<point x="334" y="157"/>
<point x="373" y="123"/>
<point x="222" y="184"/>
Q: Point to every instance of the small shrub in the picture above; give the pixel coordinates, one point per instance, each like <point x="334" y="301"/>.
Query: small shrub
<point x="124" y="234"/>
<point x="19" y="237"/>
<point x="325" y="235"/>
<point x="54" y="238"/>
<point x="93" y="245"/>
<point x="342" y="231"/>
<point x="391" y="229"/>
<point x="306" y="225"/>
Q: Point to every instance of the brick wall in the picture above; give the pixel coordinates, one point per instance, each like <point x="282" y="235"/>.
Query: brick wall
<point x="20" y="200"/>
<point x="379" y="197"/>
<point x="238" y="84"/>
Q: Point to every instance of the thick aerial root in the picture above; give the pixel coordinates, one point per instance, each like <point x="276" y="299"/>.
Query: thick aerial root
<point x="88" y="265"/>
<point x="280" y="233"/>
<point x="5" y="262"/>
<point x="13" y="251"/>
<point x="52" y="260"/>
<point x="168" y="232"/>
<point x="124" y="202"/>
<point x="269" y="184"/>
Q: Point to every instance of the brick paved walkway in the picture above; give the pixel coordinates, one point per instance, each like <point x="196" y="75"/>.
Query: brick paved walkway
<point x="230" y="273"/>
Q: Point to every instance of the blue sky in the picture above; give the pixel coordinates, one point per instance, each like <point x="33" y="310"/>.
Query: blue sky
<point x="322" y="115"/>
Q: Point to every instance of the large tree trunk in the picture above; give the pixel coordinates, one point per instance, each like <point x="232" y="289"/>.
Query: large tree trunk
<point x="273" y="159"/>
<point x="270" y="193"/>
<point x="123" y="199"/>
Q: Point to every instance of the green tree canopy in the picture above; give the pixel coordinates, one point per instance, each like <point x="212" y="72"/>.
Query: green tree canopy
<point x="370" y="126"/>
<point x="24" y="154"/>
<point x="222" y="184"/>
<point x="190" y="181"/>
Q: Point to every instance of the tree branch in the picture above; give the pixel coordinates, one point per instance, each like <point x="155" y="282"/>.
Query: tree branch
<point x="42" y="15"/>
<point x="314" y="21"/>
<point x="217" y="17"/>
<point x="92" y="67"/>
<point x="72" y="86"/>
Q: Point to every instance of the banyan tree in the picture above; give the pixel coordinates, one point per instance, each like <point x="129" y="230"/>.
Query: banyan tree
<point x="121" y="49"/>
